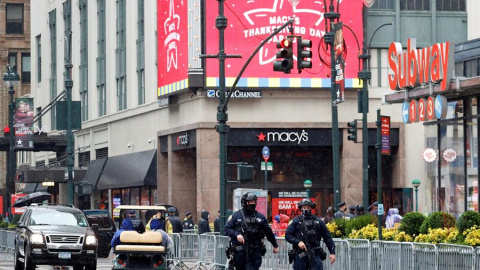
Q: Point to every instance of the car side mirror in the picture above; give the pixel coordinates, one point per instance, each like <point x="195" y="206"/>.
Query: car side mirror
<point x="95" y="227"/>
<point x="21" y="225"/>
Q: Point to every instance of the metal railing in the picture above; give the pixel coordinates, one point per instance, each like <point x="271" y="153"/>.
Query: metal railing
<point x="207" y="251"/>
<point x="7" y="243"/>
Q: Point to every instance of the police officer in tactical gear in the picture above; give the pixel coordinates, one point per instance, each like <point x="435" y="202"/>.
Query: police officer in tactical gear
<point x="247" y="229"/>
<point x="305" y="233"/>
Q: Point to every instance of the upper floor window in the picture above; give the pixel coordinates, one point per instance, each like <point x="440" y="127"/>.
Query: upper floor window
<point x="451" y="5"/>
<point x="25" y="68"/>
<point x="415" y="5"/>
<point x="384" y="4"/>
<point x="14" y="18"/>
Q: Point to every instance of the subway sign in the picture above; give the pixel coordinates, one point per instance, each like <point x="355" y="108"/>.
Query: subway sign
<point x="414" y="67"/>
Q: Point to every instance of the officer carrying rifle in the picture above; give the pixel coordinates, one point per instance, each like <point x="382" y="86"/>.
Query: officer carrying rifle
<point x="247" y="229"/>
<point x="305" y="234"/>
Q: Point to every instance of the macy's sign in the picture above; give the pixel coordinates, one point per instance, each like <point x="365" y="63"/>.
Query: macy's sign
<point x="285" y="136"/>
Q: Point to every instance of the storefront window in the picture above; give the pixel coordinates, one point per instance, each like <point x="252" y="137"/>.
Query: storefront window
<point x="472" y="156"/>
<point x="431" y="201"/>
<point x="126" y="196"/>
<point x="452" y="163"/>
<point x="145" y="197"/>
<point x="135" y="197"/>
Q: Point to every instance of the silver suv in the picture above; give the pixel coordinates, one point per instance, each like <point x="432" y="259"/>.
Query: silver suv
<point x="54" y="235"/>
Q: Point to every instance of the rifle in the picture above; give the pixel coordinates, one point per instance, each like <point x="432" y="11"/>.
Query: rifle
<point x="307" y="245"/>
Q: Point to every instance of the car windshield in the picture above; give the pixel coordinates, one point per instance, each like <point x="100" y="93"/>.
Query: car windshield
<point x="58" y="217"/>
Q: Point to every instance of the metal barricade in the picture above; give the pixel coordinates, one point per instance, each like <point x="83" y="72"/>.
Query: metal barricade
<point x="425" y="256"/>
<point x="342" y="255"/>
<point x="279" y="260"/>
<point x="376" y="254"/>
<point x="359" y="254"/>
<point x="397" y="255"/>
<point x="477" y="258"/>
<point x="455" y="257"/>
<point x="185" y="252"/>
<point x="221" y="244"/>
<point x="206" y="258"/>
<point x="7" y="243"/>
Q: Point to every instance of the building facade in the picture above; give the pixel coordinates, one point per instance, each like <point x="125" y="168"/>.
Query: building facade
<point x="148" y="97"/>
<point x="14" y="51"/>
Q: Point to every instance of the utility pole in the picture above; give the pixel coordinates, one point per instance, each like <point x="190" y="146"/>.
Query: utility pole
<point x="330" y="39"/>
<point x="378" y="146"/>
<point x="69" y="150"/>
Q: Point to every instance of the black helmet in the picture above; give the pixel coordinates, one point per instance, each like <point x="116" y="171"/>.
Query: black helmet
<point x="249" y="196"/>
<point x="360" y="208"/>
<point x="306" y="202"/>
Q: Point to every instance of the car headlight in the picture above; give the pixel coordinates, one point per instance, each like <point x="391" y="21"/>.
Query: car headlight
<point x="36" y="238"/>
<point x="91" y="240"/>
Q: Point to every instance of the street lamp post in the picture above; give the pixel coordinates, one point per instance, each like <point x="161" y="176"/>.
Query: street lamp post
<point x="416" y="183"/>
<point x="11" y="79"/>
<point x="365" y="75"/>
<point x="307" y="184"/>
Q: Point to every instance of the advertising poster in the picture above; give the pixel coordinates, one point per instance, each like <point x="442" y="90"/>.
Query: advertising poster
<point x="287" y="203"/>
<point x="23" y="123"/>
<point x="252" y="21"/>
<point x="17" y="210"/>
<point x="172" y="42"/>
<point x="340" y="56"/>
<point x="1" y="205"/>
<point x="261" y="199"/>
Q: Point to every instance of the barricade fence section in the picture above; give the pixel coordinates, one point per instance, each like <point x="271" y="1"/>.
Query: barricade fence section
<point x="207" y="251"/>
<point x="455" y="257"/>
<point x="7" y="243"/>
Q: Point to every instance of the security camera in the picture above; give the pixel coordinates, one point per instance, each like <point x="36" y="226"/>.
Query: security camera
<point x="129" y="145"/>
<point x="150" y="140"/>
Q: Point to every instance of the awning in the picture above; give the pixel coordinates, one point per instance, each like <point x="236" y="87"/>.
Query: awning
<point x="33" y="187"/>
<point x="94" y="171"/>
<point x="130" y="170"/>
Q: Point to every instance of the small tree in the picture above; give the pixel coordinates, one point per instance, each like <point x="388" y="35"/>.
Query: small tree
<point x="467" y="220"/>
<point x="437" y="220"/>
<point x="411" y="223"/>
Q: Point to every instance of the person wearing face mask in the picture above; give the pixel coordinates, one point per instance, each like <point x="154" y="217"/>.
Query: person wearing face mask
<point x="305" y="233"/>
<point x="247" y="229"/>
<point x="203" y="223"/>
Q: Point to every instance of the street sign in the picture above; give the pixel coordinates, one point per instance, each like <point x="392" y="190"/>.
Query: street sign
<point x="266" y="153"/>
<point x="405" y="116"/>
<point x="380" y="209"/>
<point x="269" y="166"/>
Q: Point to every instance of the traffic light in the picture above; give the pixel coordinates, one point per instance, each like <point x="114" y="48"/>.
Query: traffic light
<point x="303" y="52"/>
<point x="244" y="173"/>
<point x="352" y="131"/>
<point x="284" y="56"/>
<point x="6" y="131"/>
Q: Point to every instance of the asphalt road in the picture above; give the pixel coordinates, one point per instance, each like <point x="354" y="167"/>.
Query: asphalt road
<point x="102" y="264"/>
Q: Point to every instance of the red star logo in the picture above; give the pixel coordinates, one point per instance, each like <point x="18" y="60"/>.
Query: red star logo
<point x="261" y="137"/>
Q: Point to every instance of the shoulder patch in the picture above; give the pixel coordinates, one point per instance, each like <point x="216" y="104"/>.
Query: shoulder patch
<point x="229" y="218"/>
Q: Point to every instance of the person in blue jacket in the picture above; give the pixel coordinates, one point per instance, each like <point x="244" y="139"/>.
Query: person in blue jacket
<point x="305" y="234"/>
<point x="127" y="225"/>
<point x="247" y="229"/>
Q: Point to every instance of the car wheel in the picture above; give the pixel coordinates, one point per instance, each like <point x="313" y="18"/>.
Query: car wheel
<point x="92" y="266"/>
<point x="28" y="265"/>
<point x="16" y="262"/>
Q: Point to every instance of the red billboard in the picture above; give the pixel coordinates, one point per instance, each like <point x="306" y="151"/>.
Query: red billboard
<point x="251" y="21"/>
<point x="172" y="27"/>
<point x="287" y="206"/>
